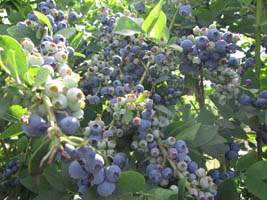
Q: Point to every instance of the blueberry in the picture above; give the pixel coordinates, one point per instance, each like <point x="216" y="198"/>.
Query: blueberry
<point x="225" y="176"/>
<point x="160" y="59"/>
<point x="214" y="35"/>
<point x="154" y="176"/>
<point x="69" y="125"/>
<point x="245" y="100"/>
<point x="73" y="16"/>
<point x="218" y="181"/>
<point x="139" y="6"/>
<point x="121" y="160"/>
<point x="50" y="4"/>
<point x="14" y="169"/>
<point x="167" y="173"/>
<point x="96" y="129"/>
<point x="98" y="177"/>
<point x="235" y="147"/>
<point x="45" y="10"/>
<point x="93" y="139"/>
<point x="230" y="173"/>
<point x="82" y="189"/>
<point x="192" y="167"/>
<point x="231" y="154"/>
<point x="32" y="16"/>
<point x="36" y="126"/>
<point x="93" y="100"/>
<point x="112" y="173"/>
<point x="221" y="46"/>
<point x="76" y="171"/>
<point x="250" y="62"/>
<point x="181" y="146"/>
<point x="263" y="94"/>
<point x="96" y="165"/>
<point x="116" y="60"/>
<point x="145" y="125"/>
<point x="11" y="163"/>
<point x="233" y="61"/>
<point x="86" y="153"/>
<point x="261" y="103"/>
<point x="215" y="174"/>
<point x="119" y="91"/>
<point x="185" y="11"/>
<point x="187" y="45"/>
<point x="228" y="36"/>
<point x="106" y="188"/>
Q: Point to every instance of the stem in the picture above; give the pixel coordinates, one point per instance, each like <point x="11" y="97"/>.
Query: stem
<point x="259" y="8"/>
<point x="25" y="156"/>
<point x="143" y="78"/>
<point x="5" y="149"/>
<point x="173" y="19"/>
<point x="259" y="150"/>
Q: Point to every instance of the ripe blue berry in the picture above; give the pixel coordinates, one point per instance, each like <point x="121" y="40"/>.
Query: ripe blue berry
<point x="106" y="188"/>
<point x="139" y="6"/>
<point x="69" y="125"/>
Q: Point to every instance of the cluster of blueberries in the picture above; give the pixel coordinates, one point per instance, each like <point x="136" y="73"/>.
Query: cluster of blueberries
<point x="124" y="61"/>
<point x="7" y="175"/>
<point x="260" y="102"/>
<point x="221" y="177"/>
<point x="61" y="87"/>
<point x="87" y="167"/>
<point x="58" y="19"/>
<point x="202" y="186"/>
<point x="231" y="151"/>
<point x="209" y="48"/>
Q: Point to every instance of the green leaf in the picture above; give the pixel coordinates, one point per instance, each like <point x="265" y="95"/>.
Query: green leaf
<point x="11" y="131"/>
<point x="217" y="140"/>
<point x="160" y="194"/>
<point x="155" y="23"/>
<point x="153" y="16"/>
<point x="131" y="181"/>
<point x="41" y="76"/>
<point x="30" y="184"/>
<point x="141" y="98"/>
<point x="53" y="195"/>
<point x="189" y="134"/>
<point x="245" y="161"/>
<point x="128" y="26"/>
<point x="181" y="185"/>
<point x="30" y="75"/>
<point x="162" y="79"/>
<point x="216" y="151"/>
<point x="128" y="115"/>
<point x="19" y="32"/>
<point x="257" y="187"/>
<point x="53" y="178"/>
<point x="34" y="162"/>
<point x="227" y="110"/>
<point x="3" y="29"/>
<point x="164" y="110"/>
<point x="206" y="117"/>
<point x="66" y="32"/>
<point x="205" y="134"/>
<point x="79" y="54"/>
<point x="12" y="58"/>
<point x="43" y="19"/>
<point x="14" y="113"/>
<point x="258" y="170"/>
<point x="227" y="190"/>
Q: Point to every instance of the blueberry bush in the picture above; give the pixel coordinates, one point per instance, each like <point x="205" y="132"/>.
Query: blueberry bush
<point x="133" y="99"/>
